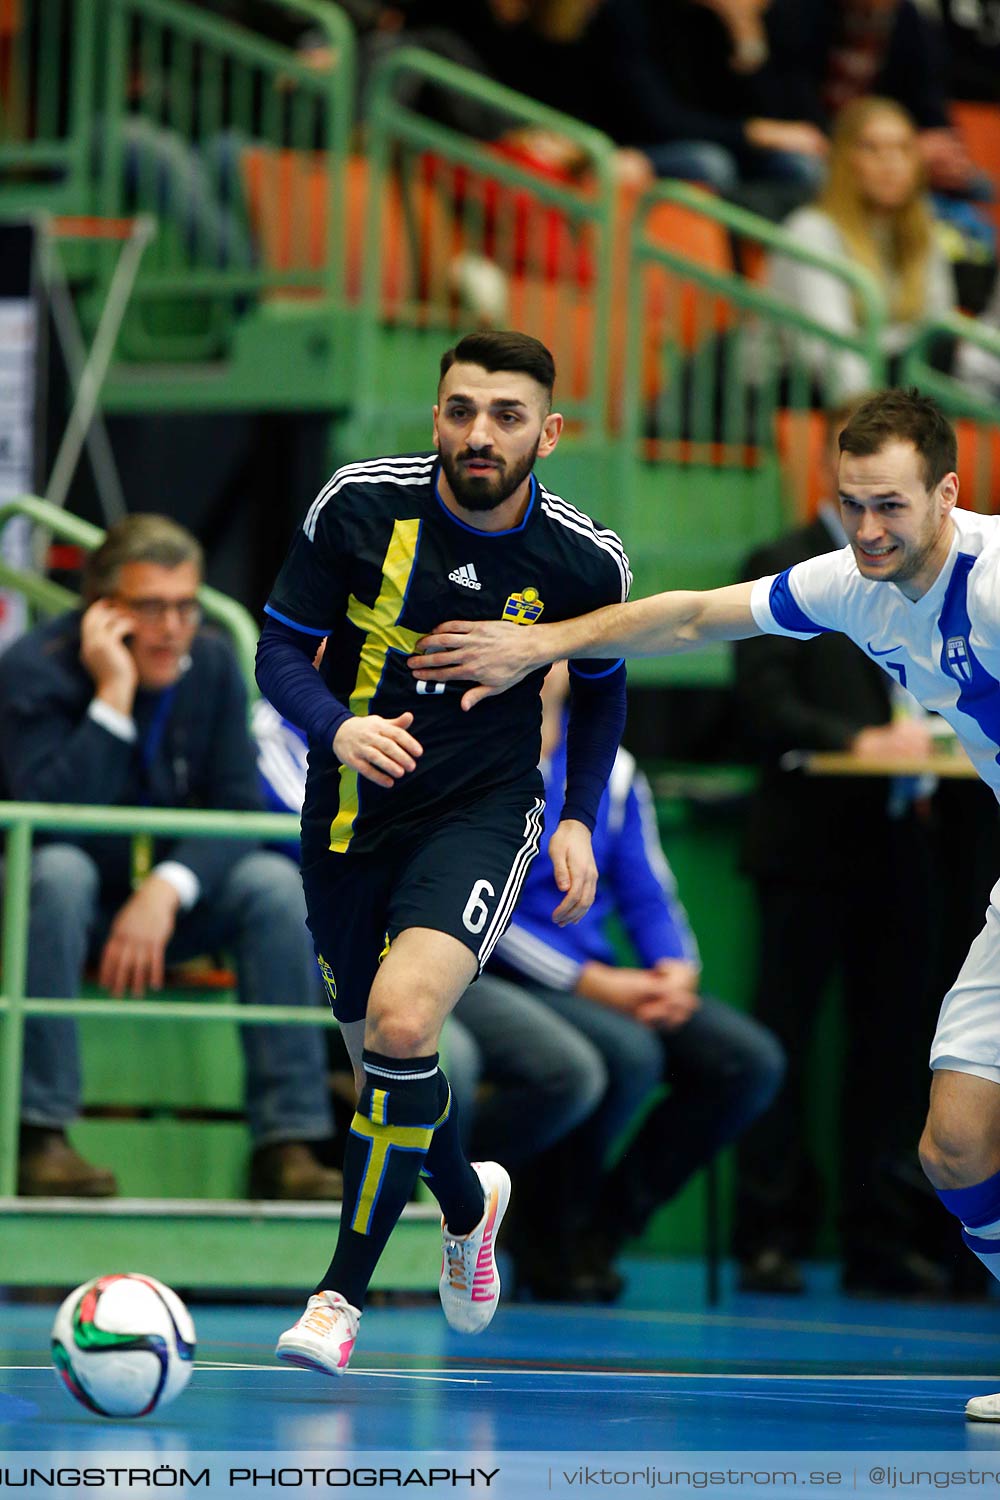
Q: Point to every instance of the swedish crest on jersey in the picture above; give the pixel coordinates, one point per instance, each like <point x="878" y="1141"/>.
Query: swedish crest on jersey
<point x="957" y="659"/>
<point x="523" y="608"/>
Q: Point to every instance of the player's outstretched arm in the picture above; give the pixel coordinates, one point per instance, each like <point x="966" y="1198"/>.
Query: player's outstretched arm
<point x="498" y="654"/>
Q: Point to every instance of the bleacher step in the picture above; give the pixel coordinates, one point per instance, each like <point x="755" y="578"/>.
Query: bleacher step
<point x="199" y="1242"/>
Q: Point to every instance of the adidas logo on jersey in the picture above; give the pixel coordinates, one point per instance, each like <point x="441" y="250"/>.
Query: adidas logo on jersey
<point x="466" y="576"/>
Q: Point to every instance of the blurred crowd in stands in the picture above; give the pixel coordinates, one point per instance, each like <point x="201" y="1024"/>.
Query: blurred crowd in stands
<point x="834" y="116"/>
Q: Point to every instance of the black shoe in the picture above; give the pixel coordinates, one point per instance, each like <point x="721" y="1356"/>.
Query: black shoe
<point x="582" y="1273"/>
<point x="577" y="1288"/>
<point x="771" y="1271"/>
<point x="597" y="1251"/>
<point x="906" y="1273"/>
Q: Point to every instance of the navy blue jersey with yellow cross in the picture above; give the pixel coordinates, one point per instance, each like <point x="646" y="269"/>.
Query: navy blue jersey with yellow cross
<point x="380" y="561"/>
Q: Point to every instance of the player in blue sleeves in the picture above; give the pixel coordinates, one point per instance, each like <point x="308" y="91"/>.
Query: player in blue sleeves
<point x="917" y="588"/>
<point x="419" y="823"/>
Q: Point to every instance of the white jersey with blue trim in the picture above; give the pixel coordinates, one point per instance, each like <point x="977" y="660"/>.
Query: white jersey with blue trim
<point x="944" y="647"/>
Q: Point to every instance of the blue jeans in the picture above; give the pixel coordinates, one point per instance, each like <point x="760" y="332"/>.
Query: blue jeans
<point x="722" y="1069"/>
<point x="257" y="914"/>
<point x="719" y="168"/>
<point x="542" y="1076"/>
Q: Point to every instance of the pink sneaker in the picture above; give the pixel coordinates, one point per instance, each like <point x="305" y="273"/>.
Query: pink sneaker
<point x="323" y="1338"/>
<point x="470" y="1282"/>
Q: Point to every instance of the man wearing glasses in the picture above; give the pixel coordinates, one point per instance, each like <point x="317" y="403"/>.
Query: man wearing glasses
<point x="130" y="704"/>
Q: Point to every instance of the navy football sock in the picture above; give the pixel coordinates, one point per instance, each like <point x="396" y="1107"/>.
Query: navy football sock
<point x="449" y="1176"/>
<point x="393" y="1127"/>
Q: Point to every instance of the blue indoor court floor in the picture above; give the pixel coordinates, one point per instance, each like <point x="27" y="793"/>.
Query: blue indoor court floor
<point x="659" y="1375"/>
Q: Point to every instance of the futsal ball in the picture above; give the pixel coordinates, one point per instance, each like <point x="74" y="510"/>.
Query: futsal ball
<point x="123" y="1345"/>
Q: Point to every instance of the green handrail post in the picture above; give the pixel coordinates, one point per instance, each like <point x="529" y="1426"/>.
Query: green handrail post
<point x="83" y="99"/>
<point x="14" y="950"/>
<point x="340" y="40"/>
<point x="115" y="86"/>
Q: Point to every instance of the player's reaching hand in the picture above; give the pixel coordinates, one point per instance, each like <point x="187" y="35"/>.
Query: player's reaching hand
<point x="575" y="872"/>
<point x="379" y="749"/>
<point x="493" y="653"/>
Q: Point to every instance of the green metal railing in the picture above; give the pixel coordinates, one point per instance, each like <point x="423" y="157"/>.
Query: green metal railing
<point x="681" y="310"/>
<point x="711" y="359"/>
<point x="954" y="396"/>
<point x="47" y="107"/>
<point x="21" y="821"/>
<point x="235" y="144"/>
<point x="50" y="597"/>
<point x="461" y="232"/>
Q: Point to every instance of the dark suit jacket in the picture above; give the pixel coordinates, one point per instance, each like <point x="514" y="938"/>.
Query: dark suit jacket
<point x="808" y="695"/>
<point x="201" y="754"/>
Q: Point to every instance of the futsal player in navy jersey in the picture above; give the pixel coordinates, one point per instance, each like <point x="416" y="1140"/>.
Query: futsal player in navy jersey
<point x="419" y="822"/>
<point x="918" y="589"/>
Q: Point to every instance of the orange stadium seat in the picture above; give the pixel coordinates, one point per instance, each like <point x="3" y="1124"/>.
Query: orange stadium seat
<point x="288" y="203"/>
<point x="706" y="243"/>
<point x="979" y="125"/>
<point x="10" y="24"/>
<point x="800" y="435"/>
<point x="675" y="310"/>
<point x="978" y="465"/>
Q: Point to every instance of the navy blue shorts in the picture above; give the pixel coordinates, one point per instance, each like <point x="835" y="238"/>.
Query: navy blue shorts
<point x="461" y="875"/>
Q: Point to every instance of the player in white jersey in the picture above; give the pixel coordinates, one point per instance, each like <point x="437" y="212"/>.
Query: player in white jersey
<point x="936" y="629"/>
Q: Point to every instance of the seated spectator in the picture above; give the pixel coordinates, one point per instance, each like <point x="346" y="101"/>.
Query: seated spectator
<point x="708" y="91"/>
<point x="890" y="49"/>
<point x="515" y="1099"/>
<point x="873" y="212"/>
<point x="972" y="34"/>
<point x="127" y="703"/>
<point x="651" y="1025"/>
<point x="539" y="49"/>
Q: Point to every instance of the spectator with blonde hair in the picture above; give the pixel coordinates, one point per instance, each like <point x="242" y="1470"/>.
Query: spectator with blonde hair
<point x="874" y="212"/>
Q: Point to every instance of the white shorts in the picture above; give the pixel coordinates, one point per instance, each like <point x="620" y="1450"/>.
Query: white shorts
<point x="967" y="1039"/>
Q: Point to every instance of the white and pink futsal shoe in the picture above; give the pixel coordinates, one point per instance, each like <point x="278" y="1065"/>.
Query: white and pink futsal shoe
<point x="323" y="1338"/>
<point x="470" y="1282"/>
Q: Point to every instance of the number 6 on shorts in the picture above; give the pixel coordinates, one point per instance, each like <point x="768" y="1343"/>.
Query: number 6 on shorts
<point x="476" y="911"/>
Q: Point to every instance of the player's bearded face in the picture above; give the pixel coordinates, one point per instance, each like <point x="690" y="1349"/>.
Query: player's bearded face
<point x="483" y="479"/>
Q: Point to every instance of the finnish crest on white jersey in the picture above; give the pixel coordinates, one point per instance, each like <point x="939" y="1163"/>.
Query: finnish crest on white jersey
<point x="956" y="655"/>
